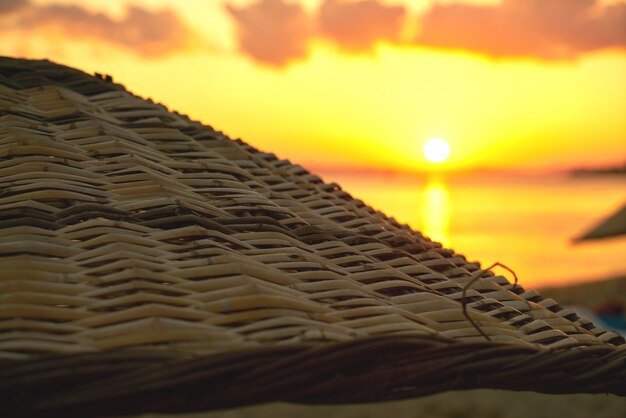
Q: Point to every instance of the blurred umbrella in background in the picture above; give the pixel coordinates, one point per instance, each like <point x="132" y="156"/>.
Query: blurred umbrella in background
<point x="612" y="226"/>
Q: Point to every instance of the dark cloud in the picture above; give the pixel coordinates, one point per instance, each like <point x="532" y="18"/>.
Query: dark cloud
<point x="545" y="29"/>
<point x="276" y="32"/>
<point x="279" y="31"/>
<point x="11" y="5"/>
<point x="357" y="25"/>
<point x="606" y="30"/>
<point x="272" y="31"/>
<point x="149" y="33"/>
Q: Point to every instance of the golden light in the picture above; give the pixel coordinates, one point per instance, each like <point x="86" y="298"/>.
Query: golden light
<point x="436" y="150"/>
<point x="436" y="211"/>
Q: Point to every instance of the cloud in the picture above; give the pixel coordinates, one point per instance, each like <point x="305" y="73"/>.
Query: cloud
<point x="277" y="32"/>
<point x="553" y="29"/>
<point x="272" y="31"/>
<point x="607" y="29"/>
<point x="148" y="33"/>
<point x="357" y="26"/>
<point x="7" y="6"/>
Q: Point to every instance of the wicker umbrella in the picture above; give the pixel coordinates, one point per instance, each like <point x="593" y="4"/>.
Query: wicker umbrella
<point x="150" y="263"/>
<point x="612" y="226"/>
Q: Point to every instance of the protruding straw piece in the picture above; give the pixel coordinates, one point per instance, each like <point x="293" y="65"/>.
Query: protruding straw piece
<point x="475" y="276"/>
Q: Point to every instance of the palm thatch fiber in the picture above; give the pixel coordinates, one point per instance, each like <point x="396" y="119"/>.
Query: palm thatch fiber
<point x="149" y="263"/>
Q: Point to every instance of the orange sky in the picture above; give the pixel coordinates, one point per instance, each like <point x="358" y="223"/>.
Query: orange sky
<point x="326" y="83"/>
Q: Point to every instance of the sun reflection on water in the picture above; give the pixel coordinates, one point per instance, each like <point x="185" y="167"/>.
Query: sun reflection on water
<point x="436" y="211"/>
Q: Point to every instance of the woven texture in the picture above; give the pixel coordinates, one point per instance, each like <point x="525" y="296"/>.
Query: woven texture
<point x="150" y="263"/>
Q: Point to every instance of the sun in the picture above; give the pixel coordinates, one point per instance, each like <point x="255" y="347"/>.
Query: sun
<point x="436" y="150"/>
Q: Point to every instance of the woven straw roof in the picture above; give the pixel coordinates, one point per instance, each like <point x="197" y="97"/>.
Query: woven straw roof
<point x="150" y="263"/>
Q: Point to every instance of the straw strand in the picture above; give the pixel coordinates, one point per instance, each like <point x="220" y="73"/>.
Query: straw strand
<point x="474" y="277"/>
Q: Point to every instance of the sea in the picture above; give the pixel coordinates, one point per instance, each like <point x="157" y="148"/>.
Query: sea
<point x="529" y="222"/>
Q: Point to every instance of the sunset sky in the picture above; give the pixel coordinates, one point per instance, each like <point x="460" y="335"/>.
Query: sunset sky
<point x="513" y="84"/>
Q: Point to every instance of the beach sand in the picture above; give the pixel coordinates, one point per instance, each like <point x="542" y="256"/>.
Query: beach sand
<point x="467" y="404"/>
